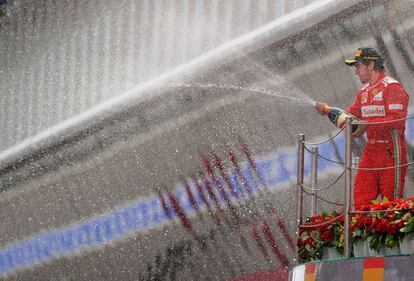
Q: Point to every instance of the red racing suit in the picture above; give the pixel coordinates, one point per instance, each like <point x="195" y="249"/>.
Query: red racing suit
<point x="383" y="101"/>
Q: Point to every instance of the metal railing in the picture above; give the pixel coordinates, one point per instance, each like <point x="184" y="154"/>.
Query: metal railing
<point x="349" y="167"/>
<point x="313" y="189"/>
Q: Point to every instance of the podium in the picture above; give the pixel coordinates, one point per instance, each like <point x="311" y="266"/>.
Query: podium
<point x="379" y="268"/>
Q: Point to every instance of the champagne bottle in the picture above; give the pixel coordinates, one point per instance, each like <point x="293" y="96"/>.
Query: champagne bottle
<point x="336" y="115"/>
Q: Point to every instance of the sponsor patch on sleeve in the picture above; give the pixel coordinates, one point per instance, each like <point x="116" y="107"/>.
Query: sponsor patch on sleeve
<point x="390" y="80"/>
<point x="395" y="106"/>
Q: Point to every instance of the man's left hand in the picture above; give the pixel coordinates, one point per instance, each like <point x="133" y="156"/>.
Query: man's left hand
<point x="360" y="130"/>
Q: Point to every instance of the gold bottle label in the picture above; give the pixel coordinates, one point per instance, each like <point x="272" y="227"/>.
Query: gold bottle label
<point x="340" y="122"/>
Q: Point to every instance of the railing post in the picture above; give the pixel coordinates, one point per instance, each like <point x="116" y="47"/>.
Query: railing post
<point x="314" y="179"/>
<point x="348" y="188"/>
<point x="299" y="188"/>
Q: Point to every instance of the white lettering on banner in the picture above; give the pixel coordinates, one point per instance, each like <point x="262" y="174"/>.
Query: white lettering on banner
<point x="373" y="110"/>
<point x="395" y="106"/>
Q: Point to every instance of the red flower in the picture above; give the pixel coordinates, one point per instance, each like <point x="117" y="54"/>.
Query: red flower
<point x="360" y="220"/>
<point x="327" y="235"/>
<point x="309" y="241"/>
<point x="367" y="221"/>
<point x="366" y="208"/>
<point x="382" y="226"/>
<point x="381" y="206"/>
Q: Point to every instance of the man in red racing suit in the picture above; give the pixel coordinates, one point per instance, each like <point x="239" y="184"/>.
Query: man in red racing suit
<point x="383" y="99"/>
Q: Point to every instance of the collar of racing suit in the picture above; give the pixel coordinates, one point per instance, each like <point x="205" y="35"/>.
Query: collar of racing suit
<point x="374" y="85"/>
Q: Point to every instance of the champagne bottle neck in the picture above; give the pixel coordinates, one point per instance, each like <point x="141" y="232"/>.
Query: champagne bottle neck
<point x="330" y="109"/>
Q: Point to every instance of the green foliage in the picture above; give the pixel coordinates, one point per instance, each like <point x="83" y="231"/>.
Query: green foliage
<point x="375" y="241"/>
<point x="408" y="227"/>
<point x="391" y="241"/>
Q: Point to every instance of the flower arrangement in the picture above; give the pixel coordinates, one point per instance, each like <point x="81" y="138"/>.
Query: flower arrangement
<point x="320" y="231"/>
<point x="381" y="224"/>
<point x="407" y="208"/>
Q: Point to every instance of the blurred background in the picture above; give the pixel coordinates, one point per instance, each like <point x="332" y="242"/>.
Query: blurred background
<point x="118" y="116"/>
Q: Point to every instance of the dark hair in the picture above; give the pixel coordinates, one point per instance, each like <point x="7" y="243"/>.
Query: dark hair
<point x="378" y="64"/>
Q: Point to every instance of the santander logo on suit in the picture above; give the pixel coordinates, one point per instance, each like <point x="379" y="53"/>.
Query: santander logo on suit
<point x="373" y="110"/>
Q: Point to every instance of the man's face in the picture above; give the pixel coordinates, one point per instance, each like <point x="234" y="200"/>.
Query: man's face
<point x="363" y="71"/>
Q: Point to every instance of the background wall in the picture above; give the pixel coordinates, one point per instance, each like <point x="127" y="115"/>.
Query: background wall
<point x="61" y="58"/>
